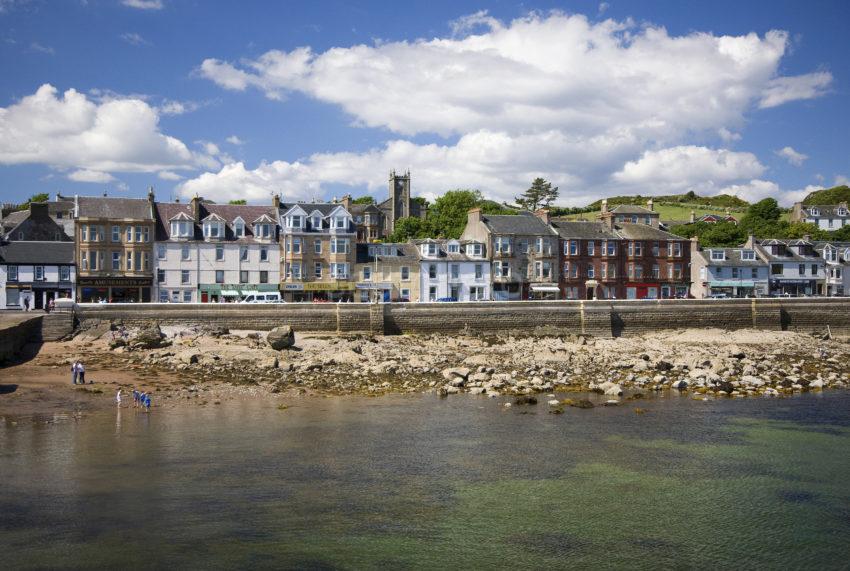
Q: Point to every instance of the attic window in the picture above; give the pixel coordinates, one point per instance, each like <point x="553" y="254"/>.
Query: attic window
<point x="748" y="255"/>
<point x="814" y="212"/>
<point x="239" y="228"/>
<point x="454" y="248"/>
<point x="718" y="255"/>
<point x="841" y="211"/>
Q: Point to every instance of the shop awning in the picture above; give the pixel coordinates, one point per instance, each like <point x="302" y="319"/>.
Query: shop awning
<point x="370" y="285"/>
<point x="732" y="283"/>
<point x="549" y="288"/>
<point x="229" y="292"/>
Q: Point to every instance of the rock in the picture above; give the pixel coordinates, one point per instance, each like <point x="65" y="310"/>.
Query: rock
<point x="725" y="386"/>
<point x="214" y="331"/>
<point x="281" y="338"/>
<point x="583" y="403"/>
<point x="611" y="403"/>
<point x="752" y="381"/>
<point x="681" y="384"/>
<point x="456" y="373"/>
<point x="476" y="391"/>
<point x="149" y="338"/>
<point x="816" y="384"/>
<point x="269" y="363"/>
<point x="613" y="391"/>
<point x="190" y="357"/>
<point x="663" y="366"/>
<point x="554" y="402"/>
<point x="525" y="400"/>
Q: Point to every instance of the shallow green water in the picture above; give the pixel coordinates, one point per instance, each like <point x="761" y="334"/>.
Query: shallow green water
<point x="419" y="482"/>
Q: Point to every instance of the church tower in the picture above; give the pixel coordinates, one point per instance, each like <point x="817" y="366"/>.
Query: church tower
<point x="399" y="198"/>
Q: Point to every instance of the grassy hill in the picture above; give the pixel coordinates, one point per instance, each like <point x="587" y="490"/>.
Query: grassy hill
<point x="832" y="195"/>
<point x="690" y="199"/>
<point x="665" y="211"/>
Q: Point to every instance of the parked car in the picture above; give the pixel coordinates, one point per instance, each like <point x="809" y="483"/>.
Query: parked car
<point x="447" y="299"/>
<point x="268" y="297"/>
<point x="718" y="296"/>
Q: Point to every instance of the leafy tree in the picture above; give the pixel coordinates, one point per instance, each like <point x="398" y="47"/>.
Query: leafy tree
<point x="447" y="216"/>
<point x="363" y="200"/>
<point x="409" y="228"/>
<point x="832" y="195"/>
<point x="841" y="235"/>
<point x="766" y="210"/>
<point x="238" y="201"/>
<point x="540" y="194"/>
<point x="40" y="197"/>
<point x="800" y="229"/>
<point x="722" y="234"/>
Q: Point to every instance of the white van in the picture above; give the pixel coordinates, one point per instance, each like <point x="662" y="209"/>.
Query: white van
<point x="265" y="297"/>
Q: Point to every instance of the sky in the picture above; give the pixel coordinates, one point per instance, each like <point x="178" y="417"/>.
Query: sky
<point x="314" y="100"/>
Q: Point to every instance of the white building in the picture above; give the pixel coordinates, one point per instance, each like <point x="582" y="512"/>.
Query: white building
<point x="836" y="256"/>
<point x="826" y="217"/>
<point x="214" y="252"/>
<point x="795" y="268"/>
<point x="453" y="270"/>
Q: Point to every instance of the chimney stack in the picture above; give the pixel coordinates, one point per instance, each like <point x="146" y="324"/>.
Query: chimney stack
<point x="751" y="241"/>
<point x="693" y="216"/>
<point x="694" y="244"/>
<point x="473" y="216"/>
<point x="39" y="210"/>
<point x="196" y="209"/>
<point x="346" y="202"/>
<point x="650" y="205"/>
<point x="604" y="206"/>
<point x="276" y="201"/>
<point x="542" y="214"/>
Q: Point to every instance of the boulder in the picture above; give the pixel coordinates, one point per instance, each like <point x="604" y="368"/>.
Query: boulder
<point x="149" y="338"/>
<point x="583" y="403"/>
<point x="681" y="384"/>
<point x="281" y="338"/>
<point x="456" y="373"/>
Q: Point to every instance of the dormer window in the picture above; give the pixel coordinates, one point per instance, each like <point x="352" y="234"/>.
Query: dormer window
<point x="294" y="221"/>
<point x="262" y="231"/>
<point x="814" y="212"/>
<point x="316" y="223"/>
<point x="718" y="255"/>
<point x="239" y="228"/>
<point x="475" y="250"/>
<point x="841" y="211"/>
<point x="181" y="228"/>
<point x="429" y="249"/>
<point x="453" y="248"/>
<point x="748" y="255"/>
<point x="213" y="229"/>
<point x="340" y="222"/>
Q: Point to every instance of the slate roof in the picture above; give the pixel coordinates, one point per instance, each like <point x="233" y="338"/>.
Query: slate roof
<point x="324" y="208"/>
<point x="165" y="211"/>
<point x="631" y="231"/>
<point x="789" y="256"/>
<point x="444" y="254"/>
<point x="632" y="209"/>
<point x="39" y="253"/>
<point x="522" y="223"/>
<point x="733" y="258"/>
<point x="580" y="230"/>
<point x="826" y="210"/>
<point x="113" y="207"/>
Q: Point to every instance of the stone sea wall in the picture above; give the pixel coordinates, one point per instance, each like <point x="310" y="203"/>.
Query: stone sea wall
<point x="14" y="336"/>
<point x="599" y="318"/>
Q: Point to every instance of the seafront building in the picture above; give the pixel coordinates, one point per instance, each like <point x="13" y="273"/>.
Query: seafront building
<point x="214" y="252"/>
<point x="836" y="257"/>
<point x="727" y="272"/>
<point x="523" y="250"/>
<point x="114" y="248"/>
<point x="386" y="272"/>
<point x="377" y="221"/>
<point x="825" y="216"/>
<point x="453" y="270"/>
<point x="317" y="251"/>
<point x="36" y="260"/>
<point x="795" y="268"/>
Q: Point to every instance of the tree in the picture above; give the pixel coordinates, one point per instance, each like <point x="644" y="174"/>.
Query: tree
<point x="239" y="201"/>
<point x="765" y="210"/>
<point x="408" y="228"/>
<point x="447" y="216"/>
<point x="539" y="195"/>
<point x="363" y="200"/>
<point x="40" y="197"/>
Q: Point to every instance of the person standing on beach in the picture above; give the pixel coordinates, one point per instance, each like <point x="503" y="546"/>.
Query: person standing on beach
<point x="147" y="403"/>
<point x="81" y="372"/>
<point x="118" y="398"/>
<point x="74" y="372"/>
<point x="135" y="398"/>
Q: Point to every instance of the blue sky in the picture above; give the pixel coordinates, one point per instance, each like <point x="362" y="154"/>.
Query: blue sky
<point x="316" y="99"/>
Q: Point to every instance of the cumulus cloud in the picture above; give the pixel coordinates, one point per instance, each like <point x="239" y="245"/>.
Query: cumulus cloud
<point x="792" y="156"/>
<point x="70" y="131"/>
<point x="234" y="140"/>
<point x="90" y="176"/>
<point x="168" y="175"/>
<point x="41" y="49"/>
<point x="143" y="4"/>
<point x="598" y="108"/>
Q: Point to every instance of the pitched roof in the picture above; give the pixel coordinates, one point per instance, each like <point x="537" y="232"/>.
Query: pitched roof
<point x="113" y="207"/>
<point x="632" y="209"/>
<point x="631" y="231"/>
<point x="443" y="252"/>
<point x="790" y="255"/>
<point x="827" y="210"/>
<point x="582" y="230"/>
<point x="403" y="252"/>
<point x="733" y="258"/>
<point x="522" y="223"/>
<point x="227" y="212"/>
<point x="38" y="253"/>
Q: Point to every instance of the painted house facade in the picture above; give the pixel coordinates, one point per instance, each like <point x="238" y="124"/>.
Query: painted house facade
<point x="207" y="253"/>
<point x="114" y="248"/>
<point x="453" y="270"/>
<point x="523" y="250"/>
<point x="795" y="267"/>
<point x="836" y="257"/>
<point x="727" y="272"/>
<point x="591" y="265"/>
<point x="825" y="216"/>
<point x="317" y="252"/>
<point x="386" y="272"/>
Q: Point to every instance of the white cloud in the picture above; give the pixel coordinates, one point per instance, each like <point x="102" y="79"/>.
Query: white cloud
<point x="143" y="4"/>
<point x="681" y="168"/>
<point x="91" y="176"/>
<point x="168" y="175"/>
<point x="784" y="89"/>
<point x="598" y="108"/>
<point x="603" y="7"/>
<point x="70" y="131"/>
<point x="134" y="39"/>
<point x="840" y="180"/>
<point x="792" y="156"/>
<point x="757" y="189"/>
<point x="234" y="140"/>
<point x="172" y="107"/>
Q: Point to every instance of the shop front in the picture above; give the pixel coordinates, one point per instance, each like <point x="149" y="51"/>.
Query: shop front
<point x="114" y="290"/>
<point x="543" y="292"/>
<point x="643" y="290"/>
<point x="369" y="291"/>
<point x="507" y="291"/>
<point x="793" y="288"/>
<point x="737" y="288"/>
<point x="319" y="292"/>
<point x="37" y="295"/>
<point x="231" y="293"/>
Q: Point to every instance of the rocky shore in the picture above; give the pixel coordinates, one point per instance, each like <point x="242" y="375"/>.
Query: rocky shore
<point x="206" y="365"/>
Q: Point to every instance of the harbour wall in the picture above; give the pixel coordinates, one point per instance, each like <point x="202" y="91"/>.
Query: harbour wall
<point x="604" y="318"/>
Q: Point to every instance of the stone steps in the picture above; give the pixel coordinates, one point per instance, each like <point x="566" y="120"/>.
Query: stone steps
<point x="55" y="326"/>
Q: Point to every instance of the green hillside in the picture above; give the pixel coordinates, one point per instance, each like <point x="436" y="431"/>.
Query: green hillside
<point x="665" y="211"/>
<point x="690" y="199"/>
<point x="832" y="195"/>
